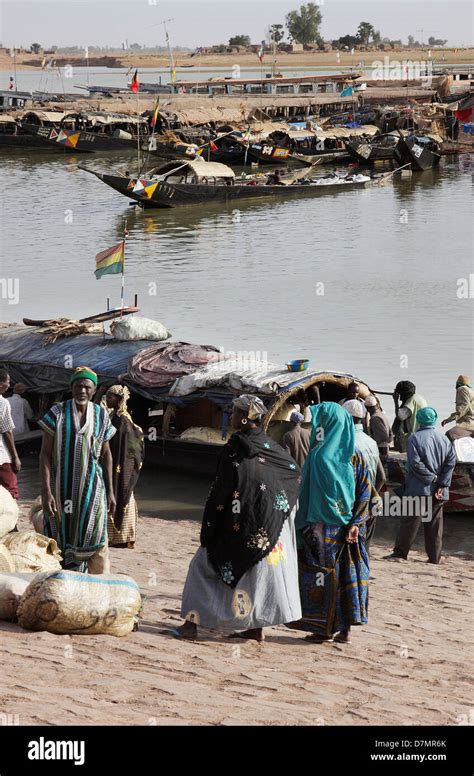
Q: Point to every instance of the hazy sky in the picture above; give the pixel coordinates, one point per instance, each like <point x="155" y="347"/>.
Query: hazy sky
<point x="199" y="23"/>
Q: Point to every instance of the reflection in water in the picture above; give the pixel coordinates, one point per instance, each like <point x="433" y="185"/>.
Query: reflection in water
<point x="246" y="277"/>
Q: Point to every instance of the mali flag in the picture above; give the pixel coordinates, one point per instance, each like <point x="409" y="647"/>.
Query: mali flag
<point x="134" y="82"/>
<point x="110" y="261"/>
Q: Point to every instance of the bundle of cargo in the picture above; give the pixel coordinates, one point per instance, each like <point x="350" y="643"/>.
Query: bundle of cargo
<point x="74" y="603"/>
<point x="32" y="552"/>
<point x="12" y="587"/>
<point x="8" y="512"/>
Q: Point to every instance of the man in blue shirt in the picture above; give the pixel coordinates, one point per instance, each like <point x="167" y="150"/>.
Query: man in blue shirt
<point x="431" y="460"/>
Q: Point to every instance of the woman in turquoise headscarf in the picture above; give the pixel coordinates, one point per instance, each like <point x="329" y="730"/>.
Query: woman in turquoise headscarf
<point x="330" y="523"/>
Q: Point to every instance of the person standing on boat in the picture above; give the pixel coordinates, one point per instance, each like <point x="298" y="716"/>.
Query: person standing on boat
<point x="430" y="464"/>
<point x="244" y="576"/>
<point x="127" y="449"/>
<point x="464" y="412"/>
<point x="10" y="463"/>
<point x="407" y="404"/>
<point x="380" y="429"/>
<point x="331" y="529"/>
<point x="76" y="476"/>
<point x="296" y="440"/>
<point x="21" y="409"/>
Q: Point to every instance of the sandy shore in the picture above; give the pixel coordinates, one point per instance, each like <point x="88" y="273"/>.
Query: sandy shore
<point x="284" y="60"/>
<point x="408" y="666"/>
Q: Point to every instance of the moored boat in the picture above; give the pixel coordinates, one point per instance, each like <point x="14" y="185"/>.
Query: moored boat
<point x="87" y="132"/>
<point x="422" y="152"/>
<point x="196" y="181"/>
<point x="186" y="414"/>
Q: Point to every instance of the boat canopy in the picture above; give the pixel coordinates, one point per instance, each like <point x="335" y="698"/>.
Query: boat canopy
<point x="199" y="167"/>
<point x="49" y="116"/>
<point x="329" y="134"/>
<point x="6" y="119"/>
<point x="109" y="118"/>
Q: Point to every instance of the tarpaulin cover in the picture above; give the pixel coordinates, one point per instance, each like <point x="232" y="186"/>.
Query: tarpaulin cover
<point x="48" y="369"/>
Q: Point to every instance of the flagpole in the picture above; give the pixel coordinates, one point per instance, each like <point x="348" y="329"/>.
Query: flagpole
<point x="122" y="290"/>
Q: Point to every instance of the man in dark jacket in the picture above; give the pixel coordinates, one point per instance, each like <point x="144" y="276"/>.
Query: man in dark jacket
<point x="431" y="461"/>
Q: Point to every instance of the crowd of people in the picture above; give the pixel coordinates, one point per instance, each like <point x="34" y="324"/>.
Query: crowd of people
<point x="286" y="529"/>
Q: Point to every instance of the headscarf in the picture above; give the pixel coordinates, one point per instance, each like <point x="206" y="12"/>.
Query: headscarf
<point x="296" y="417"/>
<point x="255" y="491"/>
<point x="426" y="417"/>
<point x="327" y="492"/>
<point x="355" y="408"/>
<point x="405" y="388"/>
<point x="463" y="380"/>
<point x="119" y="390"/>
<point x="83" y="373"/>
<point x="252" y="405"/>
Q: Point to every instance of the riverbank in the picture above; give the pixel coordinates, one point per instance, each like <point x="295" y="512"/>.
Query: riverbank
<point x="305" y="59"/>
<point x="408" y="666"/>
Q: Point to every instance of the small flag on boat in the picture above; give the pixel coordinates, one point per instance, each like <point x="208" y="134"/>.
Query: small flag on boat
<point x="173" y="75"/>
<point x="110" y="261"/>
<point x="261" y="53"/>
<point x="11" y="84"/>
<point x="154" y="118"/>
<point x="348" y="91"/>
<point x="213" y="146"/>
<point x="134" y="82"/>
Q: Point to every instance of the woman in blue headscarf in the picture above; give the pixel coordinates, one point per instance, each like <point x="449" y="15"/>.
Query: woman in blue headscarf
<point x="330" y="523"/>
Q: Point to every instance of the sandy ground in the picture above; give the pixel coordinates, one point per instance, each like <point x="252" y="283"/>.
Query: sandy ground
<point x="304" y="59"/>
<point x="408" y="666"/>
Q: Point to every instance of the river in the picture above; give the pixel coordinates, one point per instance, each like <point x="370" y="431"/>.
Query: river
<point x="365" y="282"/>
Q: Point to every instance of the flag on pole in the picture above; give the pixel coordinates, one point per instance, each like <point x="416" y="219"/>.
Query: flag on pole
<point x="154" y="118"/>
<point x="86" y="52"/>
<point x="213" y="146"/>
<point x="348" y="91"/>
<point x="110" y="261"/>
<point x="134" y="82"/>
<point x="11" y="84"/>
<point x="173" y="75"/>
<point x="261" y="53"/>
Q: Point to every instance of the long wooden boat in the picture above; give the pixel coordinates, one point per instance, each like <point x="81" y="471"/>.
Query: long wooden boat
<point x="187" y="425"/>
<point x="88" y="132"/>
<point x="195" y="182"/>
<point x="12" y="135"/>
<point x="368" y="151"/>
<point x="421" y="151"/>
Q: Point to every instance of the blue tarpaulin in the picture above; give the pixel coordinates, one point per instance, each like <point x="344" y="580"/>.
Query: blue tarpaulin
<point x="47" y="369"/>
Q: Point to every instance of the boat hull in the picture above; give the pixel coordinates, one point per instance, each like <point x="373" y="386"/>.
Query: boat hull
<point x="167" y="195"/>
<point x="79" y="141"/>
<point x="420" y="157"/>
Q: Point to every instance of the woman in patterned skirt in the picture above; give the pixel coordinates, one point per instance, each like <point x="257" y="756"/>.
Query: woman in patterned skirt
<point x="331" y="525"/>
<point x="245" y="574"/>
<point x="127" y="448"/>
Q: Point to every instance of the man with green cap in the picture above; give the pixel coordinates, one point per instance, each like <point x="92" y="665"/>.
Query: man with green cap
<point x="464" y="412"/>
<point x="430" y="465"/>
<point x="76" y="476"/>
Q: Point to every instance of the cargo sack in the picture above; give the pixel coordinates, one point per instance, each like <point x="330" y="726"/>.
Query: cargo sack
<point x="8" y="512"/>
<point x="70" y="602"/>
<point x="33" y="552"/>
<point x="12" y="587"/>
<point x="6" y="561"/>
<point x="138" y="328"/>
